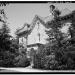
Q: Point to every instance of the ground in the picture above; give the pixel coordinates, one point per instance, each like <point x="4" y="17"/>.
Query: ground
<point x="28" y="69"/>
<point x="20" y="70"/>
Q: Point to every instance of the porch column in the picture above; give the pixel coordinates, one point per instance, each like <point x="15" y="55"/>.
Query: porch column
<point x="26" y="37"/>
<point x="17" y="39"/>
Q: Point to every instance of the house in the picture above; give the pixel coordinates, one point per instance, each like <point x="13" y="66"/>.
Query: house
<point x="33" y="35"/>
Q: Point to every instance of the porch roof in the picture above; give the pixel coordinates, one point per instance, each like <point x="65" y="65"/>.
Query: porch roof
<point x="33" y="45"/>
<point x="24" y="30"/>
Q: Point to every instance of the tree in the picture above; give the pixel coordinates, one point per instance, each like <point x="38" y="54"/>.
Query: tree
<point x="5" y="38"/>
<point x="4" y="31"/>
<point x="3" y="4"/>
<point x="63" y="49"/>
<point x="6" y="55"/>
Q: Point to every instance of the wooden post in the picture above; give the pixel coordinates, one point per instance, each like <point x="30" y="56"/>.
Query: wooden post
<point x="17" y="39"/>
<point x="26" y="37"/>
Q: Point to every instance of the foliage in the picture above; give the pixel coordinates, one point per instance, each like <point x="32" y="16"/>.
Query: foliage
<point x="4" y="38"/>
<point x="14" y="47"/>
<point x="44" y="58"/>
<point x="21" y="61"/>
<point x="6" y="54"/>
<point x="6" y="59"/>
<point x="59" y="52"/>
<point x="63" y="48"/>
<point x="3" y="4"/>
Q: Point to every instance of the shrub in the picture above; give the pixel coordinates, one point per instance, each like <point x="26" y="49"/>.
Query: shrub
<point x="6" y="60"/>
<point x="44" y="59"/>
<point x="66" y="57"/>
<point x="21" y="61"/>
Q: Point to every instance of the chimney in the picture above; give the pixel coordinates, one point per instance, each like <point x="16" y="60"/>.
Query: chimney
<point x="52" y="8"/>
<point x="54" y="11"/>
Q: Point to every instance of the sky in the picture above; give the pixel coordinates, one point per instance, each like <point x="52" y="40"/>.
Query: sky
<point x="20" y="13"/>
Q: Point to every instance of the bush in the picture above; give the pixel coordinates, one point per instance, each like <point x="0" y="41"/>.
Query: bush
<point x="14" y="58"/>
<point x="6" y="60"/>
<point x="55" y="57"/>
<point x="21" y="61"/>
<point x="61" y="58"/>
<point x="66" y="57"/>
<point x="44" y="59"/>
<point x="37" y="61"/>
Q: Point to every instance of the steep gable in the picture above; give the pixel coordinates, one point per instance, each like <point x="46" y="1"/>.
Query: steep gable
<point x="37" y="34"/>
<point x="27" y="30"/>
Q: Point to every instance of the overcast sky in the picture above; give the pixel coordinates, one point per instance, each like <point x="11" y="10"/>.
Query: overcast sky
<point x="18" y="14"/>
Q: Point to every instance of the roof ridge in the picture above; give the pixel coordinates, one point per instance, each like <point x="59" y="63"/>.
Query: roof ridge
<point x="37" y="17"/>
<point x="22" y="27"/>
<point x="32" y="25"/>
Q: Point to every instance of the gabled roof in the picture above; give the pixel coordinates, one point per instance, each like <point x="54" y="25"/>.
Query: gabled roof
<point x="24" y="29"/>
<point x="27" y="28"/>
